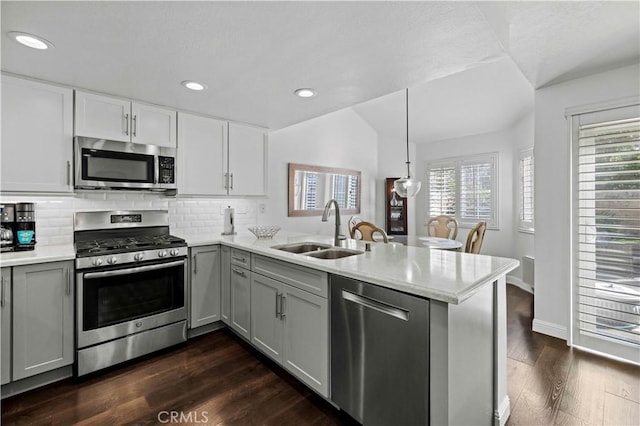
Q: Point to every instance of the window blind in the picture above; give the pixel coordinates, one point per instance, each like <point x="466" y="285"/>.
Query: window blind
<point x="310" y="190"/>
<point x="465" y="188"/>
<point x="476" y="191"/>
<point x="526" y="193"/>
<point x="442" y="190"/>
<point x="352" y="201"/>
<point x="608" y="236"/>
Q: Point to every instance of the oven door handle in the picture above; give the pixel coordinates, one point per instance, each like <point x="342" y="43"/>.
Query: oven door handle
<point x="127" y="271"/>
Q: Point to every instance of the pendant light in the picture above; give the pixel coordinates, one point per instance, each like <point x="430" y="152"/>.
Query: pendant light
<point x="407" y="187"/>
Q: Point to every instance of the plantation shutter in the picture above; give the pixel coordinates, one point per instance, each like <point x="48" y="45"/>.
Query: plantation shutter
<point x="476" y="191"/>
<point x="526" y="190"/>
<point x="607" y="242"/>
<point x="442" y="190"/>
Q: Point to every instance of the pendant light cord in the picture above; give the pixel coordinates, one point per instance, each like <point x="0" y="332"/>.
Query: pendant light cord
<point x="407" y="109"/>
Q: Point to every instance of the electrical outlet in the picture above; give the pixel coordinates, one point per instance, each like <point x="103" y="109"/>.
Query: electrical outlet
<point x="263" y="208"/>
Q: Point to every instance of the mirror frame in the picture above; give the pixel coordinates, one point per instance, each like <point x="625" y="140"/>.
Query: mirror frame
<point x="293" y="167"/>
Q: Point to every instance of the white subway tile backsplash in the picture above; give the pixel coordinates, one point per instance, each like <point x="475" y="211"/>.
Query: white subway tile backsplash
<point x="200" y="218"/>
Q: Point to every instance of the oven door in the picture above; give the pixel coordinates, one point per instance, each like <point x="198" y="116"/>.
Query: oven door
<point x="118" y="302"/>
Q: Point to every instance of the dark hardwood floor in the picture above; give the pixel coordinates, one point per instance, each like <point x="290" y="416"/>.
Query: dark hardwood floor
<point x="552" y="384"/>
<point x="219" y="379"/>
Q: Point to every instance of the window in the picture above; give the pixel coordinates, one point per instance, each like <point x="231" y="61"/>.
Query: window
<point x="465" y="188"/>
<point x="526" y="191"/>
<point x="606" y="227"/>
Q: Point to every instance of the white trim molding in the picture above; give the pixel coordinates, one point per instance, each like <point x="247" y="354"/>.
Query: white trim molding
<point x="501" y="415"/>
<point x="550" y="329"/>
<point x="519" y="283"/>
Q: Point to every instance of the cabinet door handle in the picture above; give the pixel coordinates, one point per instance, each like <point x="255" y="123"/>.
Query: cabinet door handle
<point x="68" y="282"/>
<point x="283" y="306"/>
<point x="277" y="305"/>
<point x="69" y="173"/>
<point x="239" y="259"/>
<point x="2" y="303"/>
<point x="126" y="124"/>
<point x="135" y="125"/>
<point x="239" y="272"/>
<point x="226" y="181"/>
<point x="195" y="263"/>
<point x="231" y="185"/>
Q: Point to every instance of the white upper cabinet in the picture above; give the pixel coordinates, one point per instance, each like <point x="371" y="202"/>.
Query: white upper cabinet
<point x="220" y="158"/>
<point x="247" y="160"/>
<point x="107" y="117"/>
<point x="153" y="125"/>
<point x="37" y="136"/>
<point x="202" y="160"/>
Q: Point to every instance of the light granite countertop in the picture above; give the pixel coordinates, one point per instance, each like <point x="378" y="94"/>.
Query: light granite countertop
<point x="450" y="277"/>
<point x="41" y="254"/>
<point x="443" y="275"/>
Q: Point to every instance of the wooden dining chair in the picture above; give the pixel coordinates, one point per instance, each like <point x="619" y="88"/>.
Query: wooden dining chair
<point x="353" y="221"/>
<point x="475" y="238"/>
<point x="443" y="227"/>
<point x="366" y="231"/>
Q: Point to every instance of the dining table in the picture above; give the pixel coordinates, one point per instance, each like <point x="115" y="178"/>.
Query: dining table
<point x="427" y="242"/>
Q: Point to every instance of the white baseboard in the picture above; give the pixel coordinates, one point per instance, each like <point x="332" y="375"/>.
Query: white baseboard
<point x="519" y="283"/>
<point x="501" y="415"/>
<point x="553" y="330"/>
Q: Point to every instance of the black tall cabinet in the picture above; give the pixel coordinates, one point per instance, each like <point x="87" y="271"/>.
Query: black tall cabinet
<point x="396" y="210"/>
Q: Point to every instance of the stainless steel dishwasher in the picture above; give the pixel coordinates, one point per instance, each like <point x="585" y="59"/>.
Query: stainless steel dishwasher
<point x="379" y="353"/>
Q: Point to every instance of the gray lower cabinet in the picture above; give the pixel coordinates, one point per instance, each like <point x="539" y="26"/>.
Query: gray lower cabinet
<point x="291" y="325"/>
<point x="225" y="284"/>
<point x="240" y="293"/>
<point x="205" y="285"/>
<point x="5" y="304"/>
<point x="43" y="326"/>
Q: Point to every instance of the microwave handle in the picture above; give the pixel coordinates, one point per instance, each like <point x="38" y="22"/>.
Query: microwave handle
<point x="156" y="169"/>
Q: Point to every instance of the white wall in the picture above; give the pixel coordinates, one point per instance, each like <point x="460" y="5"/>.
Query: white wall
<point x="552" y="187"/>
<point x="496" y="242"/>
<point x="340" y="139"/>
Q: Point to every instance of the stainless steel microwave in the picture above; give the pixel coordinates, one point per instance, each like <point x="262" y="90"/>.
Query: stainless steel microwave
<point x="105" y="164"/>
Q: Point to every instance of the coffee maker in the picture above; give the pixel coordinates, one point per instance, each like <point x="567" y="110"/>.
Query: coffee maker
<point x="24" y="235"/>
<point x="7" y="226"/>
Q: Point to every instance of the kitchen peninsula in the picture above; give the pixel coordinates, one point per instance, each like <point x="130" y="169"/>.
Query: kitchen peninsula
<point x="467" y="318"/>
<point x="463" y="379"/>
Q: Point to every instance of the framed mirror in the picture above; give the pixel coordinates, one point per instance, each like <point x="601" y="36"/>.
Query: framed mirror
<point x="310" y="187"/>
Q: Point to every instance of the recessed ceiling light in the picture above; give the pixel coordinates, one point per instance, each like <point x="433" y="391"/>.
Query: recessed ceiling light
<point x="194" y="85"/>
<point x="30" y="40"/>
<point x="306" y="93"/>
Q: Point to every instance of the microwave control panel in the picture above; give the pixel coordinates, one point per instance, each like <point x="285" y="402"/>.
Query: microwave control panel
<point x="167" y="169"/>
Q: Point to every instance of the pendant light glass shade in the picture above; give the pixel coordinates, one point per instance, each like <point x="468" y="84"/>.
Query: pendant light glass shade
<point x="407" y="186"/>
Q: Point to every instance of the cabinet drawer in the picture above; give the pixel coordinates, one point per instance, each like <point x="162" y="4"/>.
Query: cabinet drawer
<point x="241" y="258"/>
<point x="307" y="279"/>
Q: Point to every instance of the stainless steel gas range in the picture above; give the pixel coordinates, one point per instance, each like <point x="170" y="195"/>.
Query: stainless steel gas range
<point x="131" y="277"/>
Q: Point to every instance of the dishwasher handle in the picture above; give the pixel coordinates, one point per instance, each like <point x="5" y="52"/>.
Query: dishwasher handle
<point x="376" y="305"/>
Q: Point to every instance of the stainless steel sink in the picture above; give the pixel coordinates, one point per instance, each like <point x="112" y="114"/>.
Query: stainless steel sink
<point x="304" y="247"/>
<point x="333" y="253"/>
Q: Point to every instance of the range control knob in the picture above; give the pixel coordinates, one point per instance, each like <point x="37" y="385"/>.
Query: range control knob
<point x="112" y="260"/>
<point x="163" y="253"/>
<point x="173" y="252"/>
<point x="96" y="262"/>
<point x="138" y="257"/>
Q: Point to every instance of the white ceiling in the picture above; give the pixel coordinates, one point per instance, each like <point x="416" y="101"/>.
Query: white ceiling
<point x="253" y="55"/>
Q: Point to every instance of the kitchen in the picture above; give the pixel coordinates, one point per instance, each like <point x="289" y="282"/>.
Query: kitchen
<point x="322" y="133"/>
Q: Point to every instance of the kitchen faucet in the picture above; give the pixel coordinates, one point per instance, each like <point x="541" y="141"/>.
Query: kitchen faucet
<point x="325" y="216"/>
